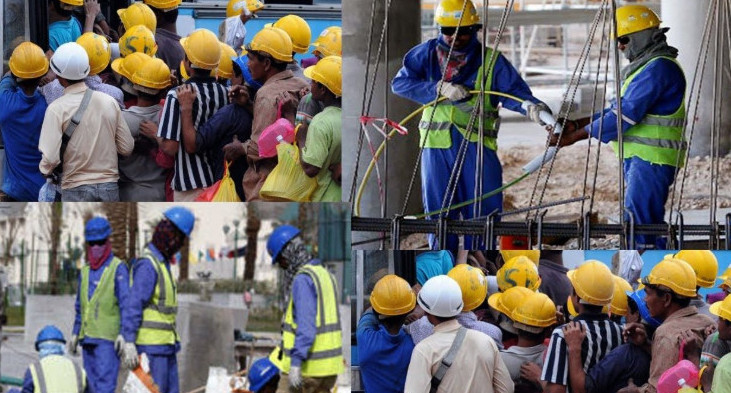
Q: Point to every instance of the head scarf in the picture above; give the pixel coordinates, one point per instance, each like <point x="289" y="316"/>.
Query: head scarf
<point x="645" y="45"/>
<point x="433" y="263"/>
<point x="50" y="347"/>
<point x="167" y="239"/>
<point x="297" y="255"/>
<point x="462" y="63"/>
<point x="96" y="255"/>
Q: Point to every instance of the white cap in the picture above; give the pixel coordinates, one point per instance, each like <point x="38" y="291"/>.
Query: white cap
<point x="70" y="61"/>
<point x="441" y="296"/>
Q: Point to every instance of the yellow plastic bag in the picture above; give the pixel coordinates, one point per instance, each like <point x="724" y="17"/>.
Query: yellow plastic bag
<point x="288" y="181"/>
<point x="223" y="190"/>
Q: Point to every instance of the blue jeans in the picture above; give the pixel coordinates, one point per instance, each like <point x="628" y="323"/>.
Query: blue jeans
<point x="100" y="192"/>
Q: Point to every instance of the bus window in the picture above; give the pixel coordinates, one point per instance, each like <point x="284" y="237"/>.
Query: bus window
<point x="14" y="28"/>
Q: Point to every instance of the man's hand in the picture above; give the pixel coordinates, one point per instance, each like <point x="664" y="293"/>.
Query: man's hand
<point x="568" y="137"/>
<point x="186" y="96"/>
<point x="148" y="129"/>
<point x="289" y="104"/>
<point x="534" y="113"/>
<point x="415" y="315"/>
<point x="631" y="388"/>
<point x="574" y="334"/>
<point x="531" y="372"/>
<point x="92" y="9"/>
<point x="48" y="78"/>
<point x="710" y="329"/>
<point x="635" y="333"/>
<point x="239" y="95"/>
<point x="691" y="350"/>
<point x="119" y="345"/>
<point x="295" y="377"/>
<point x="453" y="92"/>
<point x="131" y="359"/>
<point x="337" y="171"/>
<point x="73" y="345"/>
<point x="233" y="150"/>
<point x="560" y="317"/>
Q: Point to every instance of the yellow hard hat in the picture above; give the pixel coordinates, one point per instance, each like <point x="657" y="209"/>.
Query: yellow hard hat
<point x="518" y="271"/>
<point x="234" y="7"/>
<point x="225" y="64"/>
<point x="298" y="30"/>
<point x="127" y="66"/>
<point x="704" y="264"/>
<point x="329" y="72"/>
<point x="449" y="13"/>
<point x="152" y="76"/>
<point x="329" y="42"/>
<point x="392" y="295"/>
<point x="74" y="3"/>
<point x="137" y="38"/>
<point x="507" y="301"/>
<point x="202" y="48"/>
<point x="28" y="61"/>
<point x="183" y="73"/>
<point x="533" y="255"/>
<point x="726" y="277"/>
<point x="619" y="306"/>
<point x="722" y="308"/>
<point x="674" y="274"/>
<point x="634" y="18"/>
<point x="593" y="282"/>
<point x="473" y="284"/>
<point x="534" y="313"/>
<point x="98" y="49"/>
<point x="137" y="14"/>
<point x="254" y="5"/>
<point x="273" y="41"/>
<point x="165" y="5"/>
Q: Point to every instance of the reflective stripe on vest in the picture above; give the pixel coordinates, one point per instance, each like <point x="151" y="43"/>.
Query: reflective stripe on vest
<point x="100" y="317"/>
<point x="158" y="318"/>
<point x="657" y="139"/>
<point x="51" y="375"/>
<point x="325" y="356"/>
<point x="436" y="122"/>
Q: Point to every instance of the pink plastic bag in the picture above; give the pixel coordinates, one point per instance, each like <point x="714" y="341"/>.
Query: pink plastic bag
<point x="684" y="369"/>
<point x="268" y="138"/>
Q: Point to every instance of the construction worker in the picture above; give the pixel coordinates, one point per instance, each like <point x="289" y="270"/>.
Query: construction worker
<point x="263" y="376"/>
<point x="232" y="30"/>
<point x="619" y="308"/>
<point x="384" y="347"/>
<point x="653" y="113"/>
<point x="299" y="32"/>
<point x="140" y="177"/>
<point x="447" y="360"/>
<point x="554" y="281"/>
<point x="138" y="38"/>
<point x="504" y="303"/>
<point x="21" y="120"/>
<point x="721" y="368"/>
<point x="269" y="52"/>
<point x="225" y="70"/>
<point x="100" y="53"/>
<point x="715" y="347"/>
<point x="705" y="266"/>
<point x="519" y="271"/>
<point x="103" y="287"/>
<point x="89" y="165"/>
<point x="311" y="353"/>
<point x="136" y="14"/>
<point x="444" y="128"/>
<point x="328" y="43"/>
<point x="149" y="315"/>
<point x="53" y="373"/>
<point x="124" y="68"/>
<point x="320" y="143"/>
<point x="63" y="27"/>
<point x="192" y="171"/>
<point x="166" y="34"/>
<point x="669" y="288"/>
<point x="593" y="288"/>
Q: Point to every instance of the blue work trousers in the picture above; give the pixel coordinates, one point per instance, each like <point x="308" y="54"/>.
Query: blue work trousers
<point x="164" y="371"/>
<point x="101" y="365"/>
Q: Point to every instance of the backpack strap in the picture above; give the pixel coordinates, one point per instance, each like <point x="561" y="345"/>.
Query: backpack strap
<point x="70" y="128"/>
<point x="448" y="359"/>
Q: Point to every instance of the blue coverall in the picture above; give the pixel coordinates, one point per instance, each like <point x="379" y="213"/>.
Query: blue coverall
<point x="163" y="361"/>
<point x="100" y="360"/>
<point x="658" y="89"/>
<point x="417" y="80"/>
<point x="304" y="310"/>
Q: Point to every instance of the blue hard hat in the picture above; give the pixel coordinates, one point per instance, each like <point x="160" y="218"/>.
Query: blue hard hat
<point x="97" y="229"/>
<point x="49" y="333"/>
<point x="639" y="299"/>
<point x="243" y="63"/>
<point x="261" y="372"/>
<point x="182" y="218"/>
<point x="279" y="238"/>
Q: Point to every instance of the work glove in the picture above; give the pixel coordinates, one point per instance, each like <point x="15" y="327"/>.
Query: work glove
<point x="452" y="91"/>
<point x="295" y="377"/>
<point x="119" y="345"/>
<point x="533" y="112"/>
<point x="131" y="360"/>
<point x="73" y="346"/>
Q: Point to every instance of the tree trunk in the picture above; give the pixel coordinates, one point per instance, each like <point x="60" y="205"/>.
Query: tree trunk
<point x="117" y="216"/>
<point x="132" y="229"/>
<point x="184" y="261"/>
<point x="56" y="220"/>
<point x="253" y="224"/>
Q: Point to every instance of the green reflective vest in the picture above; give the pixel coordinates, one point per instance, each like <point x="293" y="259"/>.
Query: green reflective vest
<point x="57" y="374"/>
<point x="158" y="318"/>
<point x="446" y="114"/>
<point x="100" y="315"/>
<point x="656" y="138"/>
<point x="326" y="355"/>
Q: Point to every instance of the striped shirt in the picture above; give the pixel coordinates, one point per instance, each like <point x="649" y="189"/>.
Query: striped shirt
<point x="191" y="171"/>
<point x="602" y="335"/>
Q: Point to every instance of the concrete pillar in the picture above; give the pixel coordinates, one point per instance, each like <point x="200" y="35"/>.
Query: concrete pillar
<point x="687" y="20"/>
<point x="404" y="32"/>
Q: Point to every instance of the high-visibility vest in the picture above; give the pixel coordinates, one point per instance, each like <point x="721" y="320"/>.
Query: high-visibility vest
<point x="325" y="357"/>
<point x="656" y="138"/>
<point x="158" y="318"/>
<point x="100" y="316"/>
<point x="57" y="374"/>
<point x="436" y="128"/>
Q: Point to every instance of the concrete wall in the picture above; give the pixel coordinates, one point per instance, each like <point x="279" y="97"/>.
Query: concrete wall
<point x="42" y="310"/>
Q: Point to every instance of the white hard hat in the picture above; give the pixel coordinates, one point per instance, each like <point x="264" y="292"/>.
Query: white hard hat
<point x="441" y="296"/>
<point x="70" y="61"/>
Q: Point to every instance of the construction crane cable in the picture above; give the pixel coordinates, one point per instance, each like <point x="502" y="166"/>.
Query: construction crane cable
<point x="620" y="126"/>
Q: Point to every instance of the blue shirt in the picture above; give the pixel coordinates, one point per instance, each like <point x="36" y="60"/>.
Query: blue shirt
<point x="62" y="32"/>
<point x="121" y="290"/>
<point x="384" y="358"/>
<point x="304" y="311"/>
<point x="219" y="131"/>
<point x="658" y="89"/>
<point x="20" y="121"/>
<point x="611" y="373"/>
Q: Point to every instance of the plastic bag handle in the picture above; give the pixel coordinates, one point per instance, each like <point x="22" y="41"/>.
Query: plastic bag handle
<point x="680" y="353"/>
<point x="279" y="110"/>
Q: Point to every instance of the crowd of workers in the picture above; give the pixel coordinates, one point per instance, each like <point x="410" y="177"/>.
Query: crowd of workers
<point x="142" y="114"/>
<point x="125" y="310"/>
<point x="524" y="323"/>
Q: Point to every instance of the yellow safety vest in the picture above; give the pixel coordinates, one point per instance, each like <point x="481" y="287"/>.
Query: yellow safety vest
<point x="446" y="114"/>
<point x="656" y="138"/>
<point x="100" y="316"/>
<point x="325" y="357"/>
<point x="158" y="318"/>
<point x="57" y="374"/>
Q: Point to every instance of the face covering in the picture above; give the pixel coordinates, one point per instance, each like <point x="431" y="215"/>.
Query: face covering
<point x="96" y="255"/>
<point x="296" y="254"/>
<point x="51" y="347"/>
<point x="167" y="239"/>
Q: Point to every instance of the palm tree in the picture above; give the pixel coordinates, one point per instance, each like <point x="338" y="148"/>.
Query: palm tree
<point x="56" y="221"/>
<point x="123" y="220"/>
<point x="253" y="224"/>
